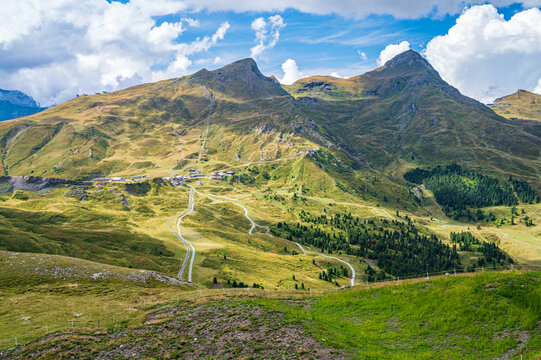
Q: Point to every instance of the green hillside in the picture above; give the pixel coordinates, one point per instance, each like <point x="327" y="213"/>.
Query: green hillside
<point x="335" y="183"/>
<point x="492" y="315"/>
<point x="405" y="111"/>
<point x="522" y="105"/>
<point x="400" y="113"/>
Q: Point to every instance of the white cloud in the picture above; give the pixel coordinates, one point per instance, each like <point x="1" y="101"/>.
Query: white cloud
<point x="266" y="34"/>
<point x="56" y="49"/>
<point x="537" y="89"/>
<point x="335" y="74"/>
<point x="362" y="55"/>
<point x="291" y="72"/>
<point x="391" y="51"/>
<point x="411" y="9"/>
<point x="191" y="22"/>
<point x="258" y="24"/>
<point x="486" y="56"/>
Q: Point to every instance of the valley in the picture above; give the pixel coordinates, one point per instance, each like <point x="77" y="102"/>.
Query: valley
<point x="333" y="184"/>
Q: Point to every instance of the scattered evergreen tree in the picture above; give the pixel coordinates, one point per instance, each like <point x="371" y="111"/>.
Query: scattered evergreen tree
<point x="525" y="192"/>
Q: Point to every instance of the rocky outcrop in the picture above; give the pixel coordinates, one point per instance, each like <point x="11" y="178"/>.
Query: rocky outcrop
<point x="241" y="80"/>
<point x="8" y="184"/>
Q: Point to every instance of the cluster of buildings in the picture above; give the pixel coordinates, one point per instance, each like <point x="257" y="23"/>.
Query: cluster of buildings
<point x="120" y="179"/>
<point x="193" y="174"/>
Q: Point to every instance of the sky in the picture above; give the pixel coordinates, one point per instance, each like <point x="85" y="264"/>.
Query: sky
<point x="56" y="49"/>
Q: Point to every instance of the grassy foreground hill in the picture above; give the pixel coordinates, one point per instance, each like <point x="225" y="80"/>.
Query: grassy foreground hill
<point x="491" y="315"/>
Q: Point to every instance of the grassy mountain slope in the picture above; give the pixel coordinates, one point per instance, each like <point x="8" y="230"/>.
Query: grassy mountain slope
<point x="404" y="110"/>
<point x="523" y="105"/>
<point x="328" y="142"/>
<point x="142" y="128"/>
<point x="400" y="113"/>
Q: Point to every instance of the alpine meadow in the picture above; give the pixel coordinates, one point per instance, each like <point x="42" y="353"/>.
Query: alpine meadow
<point x="161" y="199"/>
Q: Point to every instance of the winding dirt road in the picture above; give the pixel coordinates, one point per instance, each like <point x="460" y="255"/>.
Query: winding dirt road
<point x="352" y="282"/>
<point x="190" y="254"/>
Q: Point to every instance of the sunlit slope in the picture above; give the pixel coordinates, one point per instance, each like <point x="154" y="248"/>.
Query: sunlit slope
<point x="398" y="115"/>
<point x="141" y="128"/>
<point x="520" y="105"/>
<point x="404" y="110"/>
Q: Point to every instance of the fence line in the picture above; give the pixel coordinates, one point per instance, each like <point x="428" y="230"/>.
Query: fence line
<point x="111" y="321"/>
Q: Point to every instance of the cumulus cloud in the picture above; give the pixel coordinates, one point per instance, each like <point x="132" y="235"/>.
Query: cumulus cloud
<point x="267" y="33"/>
<point x="56" y="49"/>
<point x="291" y="72"/>
<point x="411" y="9"/>
<point x="537" y="89"/>
<point x="335" y="74"/>
<point x="391" y="51"/>
<point x="486" y="56"/>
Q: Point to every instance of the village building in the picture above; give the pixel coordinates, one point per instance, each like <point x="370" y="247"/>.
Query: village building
<point x="177" y="181"/>
<point x="217" y="176"/>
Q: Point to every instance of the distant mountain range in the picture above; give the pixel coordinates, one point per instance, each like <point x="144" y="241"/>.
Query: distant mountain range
<point x="14" y="104"/>
<point x="401" y="113"/>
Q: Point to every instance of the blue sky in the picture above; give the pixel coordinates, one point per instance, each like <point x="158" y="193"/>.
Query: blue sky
<point x="324" y="43"/>
<point x="56" y="49"/>
<point x="328" y="43"/>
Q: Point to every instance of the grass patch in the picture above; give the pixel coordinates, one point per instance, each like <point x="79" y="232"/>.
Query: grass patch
<point x="479" y="317"/>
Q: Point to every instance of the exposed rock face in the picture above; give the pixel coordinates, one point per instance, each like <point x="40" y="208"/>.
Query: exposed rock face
<point x="241" y="79"/>
<point x="78" y="192"/>
<point x="9" y="184"/>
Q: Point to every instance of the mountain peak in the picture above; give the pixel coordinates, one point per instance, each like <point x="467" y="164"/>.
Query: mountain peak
<point x="247" y="64"/>
<point x="411" y="60"/>
<point x="240" y="79"/>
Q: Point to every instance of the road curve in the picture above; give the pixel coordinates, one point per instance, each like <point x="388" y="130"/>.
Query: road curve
<point x="520" y="241"/>
<point x="245" y="210"/>
<point x="352" y="283"/>
<point x="190" y="254"/>
<point x="234" y="201"/>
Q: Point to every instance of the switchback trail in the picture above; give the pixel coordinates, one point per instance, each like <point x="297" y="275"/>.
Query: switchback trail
<point x="191" y="250"/>
<point x="234" y="201"/>
<point x="190" y="254"/>
<point x="352" y="283"/>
